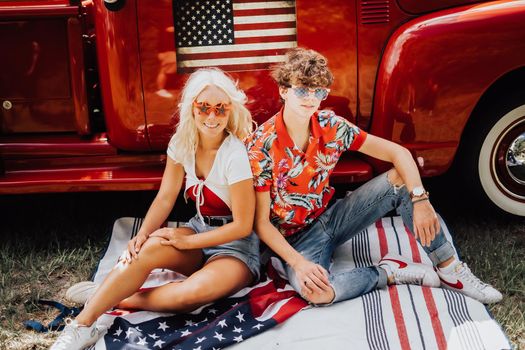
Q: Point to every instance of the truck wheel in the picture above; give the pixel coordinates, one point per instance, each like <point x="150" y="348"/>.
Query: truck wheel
<point x="496" y="153"/>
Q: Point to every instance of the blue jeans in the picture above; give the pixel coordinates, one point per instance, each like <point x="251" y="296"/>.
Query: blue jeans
<point x="346" y="218"/>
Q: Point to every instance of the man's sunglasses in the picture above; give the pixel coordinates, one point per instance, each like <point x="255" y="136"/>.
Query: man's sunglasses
<point x="302" y="92"/>
<point x="220" y="109"/>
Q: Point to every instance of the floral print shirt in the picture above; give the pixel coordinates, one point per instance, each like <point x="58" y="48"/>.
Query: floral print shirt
<point x="299" y="181"/>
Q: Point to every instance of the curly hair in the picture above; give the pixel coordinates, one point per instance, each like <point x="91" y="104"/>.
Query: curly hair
<point x="303" y="67"/>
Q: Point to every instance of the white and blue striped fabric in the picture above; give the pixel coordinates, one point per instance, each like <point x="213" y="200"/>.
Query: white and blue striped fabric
<point x="399" y="317"/>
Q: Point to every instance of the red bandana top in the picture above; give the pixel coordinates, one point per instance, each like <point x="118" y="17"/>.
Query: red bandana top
<point x="212" y="205"/>
<point x="299" y="181"/>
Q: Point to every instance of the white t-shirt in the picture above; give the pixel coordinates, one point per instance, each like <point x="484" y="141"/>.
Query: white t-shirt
<point x="231" y="165"/>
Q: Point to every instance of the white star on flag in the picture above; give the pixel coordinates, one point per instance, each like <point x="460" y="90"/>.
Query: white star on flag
<point x="238" y="339"/>
<point x="117" y="332"/>
<point x="142" y="341"/>
<point x="258" y="326"/>
<point x="129" y="332"/>
<point x="154" y="336"/>
<point x="185" y="333"/>
<point x="189" y="323"/>
<point x="222" y="323"/>
<point x="237" y="330"/>
<point x="199" y="348"/>
<point x="200" y="340"/>
<point x="159" y="343"/>
<point x="163" y="326"/>
<point x="212" y="311"/>
<point x="219" y="336"/>
<point x="240" y="317"/>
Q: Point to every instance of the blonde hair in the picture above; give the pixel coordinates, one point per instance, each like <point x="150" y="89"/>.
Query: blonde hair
<point x="239" y="121"/>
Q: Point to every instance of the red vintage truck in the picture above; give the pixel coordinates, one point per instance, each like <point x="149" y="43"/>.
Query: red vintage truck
<point x="89" y="89"/>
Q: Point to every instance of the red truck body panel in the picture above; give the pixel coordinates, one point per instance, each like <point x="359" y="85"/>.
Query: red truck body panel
<point x="89" y="94"/>
<point x="431" y="78"/>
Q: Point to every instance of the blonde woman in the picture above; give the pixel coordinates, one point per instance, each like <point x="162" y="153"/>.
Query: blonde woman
<point x="217" y="250"/>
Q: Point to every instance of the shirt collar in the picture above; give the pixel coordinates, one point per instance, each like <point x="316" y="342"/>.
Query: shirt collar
<point x="282" y="134"/>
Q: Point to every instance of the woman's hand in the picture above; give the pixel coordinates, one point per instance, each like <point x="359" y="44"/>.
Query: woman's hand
<point x="134" y="245"/>
<point x="179" y="237"/>
<point x="312" y="277"/>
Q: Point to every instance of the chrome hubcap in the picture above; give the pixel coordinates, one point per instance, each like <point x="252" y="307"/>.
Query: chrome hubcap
<point x="509" y="160"/>
<point x="516" y="159"/>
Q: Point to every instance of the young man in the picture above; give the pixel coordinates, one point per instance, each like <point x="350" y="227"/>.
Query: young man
<point x="292" y="156"/>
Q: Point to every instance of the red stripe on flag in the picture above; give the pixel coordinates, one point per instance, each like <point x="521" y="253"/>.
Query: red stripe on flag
<point x="254" y="26"/>
<point x="394" y="295"/>
<point x="429" y="298"/>
<point x="265" y="39"/>
<point x="234" y="54"/>
<point x="264" y="12"/>
<point x="289" y="309"/>
<point x="262" y="290"/>
<point x="230" y="67"/>
<point x="261" y="303"/>
<point x="245" y="1"/>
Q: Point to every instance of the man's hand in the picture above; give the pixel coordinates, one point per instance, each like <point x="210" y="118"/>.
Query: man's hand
<point x="176" y="237"/>
<point x="312" y="277"/>
<point x="426" y="223"/>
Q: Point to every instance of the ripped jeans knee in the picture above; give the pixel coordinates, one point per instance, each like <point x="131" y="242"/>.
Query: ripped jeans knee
<point x="395" y="180"/>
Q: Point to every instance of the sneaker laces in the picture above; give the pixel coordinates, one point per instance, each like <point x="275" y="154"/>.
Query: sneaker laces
<point x="408" y="277"/>
<point x="464" y="272"/>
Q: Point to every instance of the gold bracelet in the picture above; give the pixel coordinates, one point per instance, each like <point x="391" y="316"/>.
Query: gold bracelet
<point x="420" y="200"/>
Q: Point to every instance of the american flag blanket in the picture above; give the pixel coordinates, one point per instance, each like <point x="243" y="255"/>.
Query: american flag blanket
<point x="400" y="317"/>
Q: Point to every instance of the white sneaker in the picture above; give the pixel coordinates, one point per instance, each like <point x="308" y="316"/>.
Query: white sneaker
<point x="457" y="276"/>
<point x="404" y="271"/>
<point x="76" y="337"/>
<point x="81" y="292"/>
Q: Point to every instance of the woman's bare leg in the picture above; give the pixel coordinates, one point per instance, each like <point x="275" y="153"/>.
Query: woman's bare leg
<point x="220" y="277"/>
<point x="125" y="279"/>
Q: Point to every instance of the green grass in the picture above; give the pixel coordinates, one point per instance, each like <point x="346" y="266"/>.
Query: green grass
<point x="495" y="250"/>
<point x="49" y="242"/>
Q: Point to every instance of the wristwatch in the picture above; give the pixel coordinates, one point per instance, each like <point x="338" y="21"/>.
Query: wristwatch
<point x="418" y="192"/>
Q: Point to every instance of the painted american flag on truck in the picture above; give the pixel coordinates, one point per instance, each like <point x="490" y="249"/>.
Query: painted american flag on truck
<point x="233" y="34"/>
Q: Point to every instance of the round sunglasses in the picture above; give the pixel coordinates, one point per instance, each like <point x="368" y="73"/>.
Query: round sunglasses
<point x="303" y="91"/>
<point x="220" y="110"/>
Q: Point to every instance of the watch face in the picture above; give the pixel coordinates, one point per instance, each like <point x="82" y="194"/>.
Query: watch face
<point x="418" y="191"/>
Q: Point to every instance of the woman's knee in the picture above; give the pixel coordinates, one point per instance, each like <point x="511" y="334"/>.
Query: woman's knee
<point x="152" y="246"/>
<point x="153" y="252"/>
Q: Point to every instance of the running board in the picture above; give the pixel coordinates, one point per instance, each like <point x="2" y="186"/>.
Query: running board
<point x="118" y="173"/>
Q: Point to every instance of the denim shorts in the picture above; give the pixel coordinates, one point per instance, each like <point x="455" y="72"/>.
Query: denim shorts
<point x="245" y="249"/>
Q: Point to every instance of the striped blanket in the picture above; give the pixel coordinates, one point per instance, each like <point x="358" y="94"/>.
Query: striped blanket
<point x="271" y="316"/>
